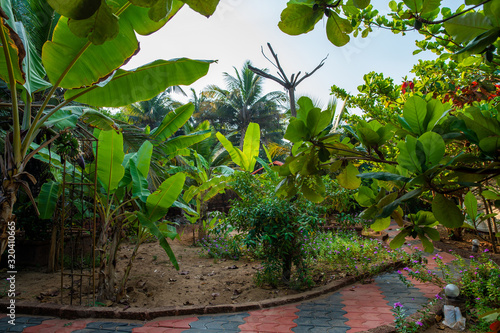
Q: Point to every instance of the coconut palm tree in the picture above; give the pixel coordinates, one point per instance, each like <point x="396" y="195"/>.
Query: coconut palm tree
<point x="151" y="112"/>
<point x="243" y="102"/>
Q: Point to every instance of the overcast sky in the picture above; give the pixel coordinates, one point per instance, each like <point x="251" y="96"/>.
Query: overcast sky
<point x="239" y="28"/>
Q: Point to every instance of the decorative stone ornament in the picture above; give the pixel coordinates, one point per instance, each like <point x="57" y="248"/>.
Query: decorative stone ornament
<point x="475" y="245"/>
<point x="451" y="290"/>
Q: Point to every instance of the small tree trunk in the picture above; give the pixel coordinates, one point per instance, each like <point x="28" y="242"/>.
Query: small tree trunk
<point x="107" y="271"/>
<point x="291" y="96"/>
<point x="51" y="267"/>
<point x="123" y="284"/>
<point x="287" y="269"/>
<point x="8" y="198"/>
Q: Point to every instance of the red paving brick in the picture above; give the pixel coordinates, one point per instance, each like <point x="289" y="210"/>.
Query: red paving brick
<point x="357" y="304"/>
<point x="278" y="319"/>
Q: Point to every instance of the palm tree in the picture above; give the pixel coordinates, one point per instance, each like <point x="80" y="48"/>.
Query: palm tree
<point x="151" y="112"/>
<point x="242" y="102"/>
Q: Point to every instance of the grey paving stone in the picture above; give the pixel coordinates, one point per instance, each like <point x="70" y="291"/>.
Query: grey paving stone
<point x="224" y="323"/>
<point x="21" y="323"/>
<point x="322" y="316"/>
<point x="107" y="327"/>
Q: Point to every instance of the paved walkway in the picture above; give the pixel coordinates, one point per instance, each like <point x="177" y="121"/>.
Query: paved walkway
<point x="355" y="308"/>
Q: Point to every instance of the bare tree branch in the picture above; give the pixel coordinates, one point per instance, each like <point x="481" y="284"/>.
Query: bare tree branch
<point x="283" y="80"/>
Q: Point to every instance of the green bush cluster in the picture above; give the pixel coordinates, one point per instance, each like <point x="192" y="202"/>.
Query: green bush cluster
<point x="280" y="225"/>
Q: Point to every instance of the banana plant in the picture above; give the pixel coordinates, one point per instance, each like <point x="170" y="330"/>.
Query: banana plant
<point x="247" y="158"/>
<point x="124" y="201"/>
<point x="103" y="30"/>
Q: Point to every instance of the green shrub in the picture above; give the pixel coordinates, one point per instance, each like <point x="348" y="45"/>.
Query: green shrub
<point x="278" y="225"/>
<point x="339" y="199"/>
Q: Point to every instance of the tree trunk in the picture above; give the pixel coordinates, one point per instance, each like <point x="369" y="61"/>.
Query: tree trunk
<point x="242" y="137"/>
<point x="123" y="284"/>
<point x="107" y="271"/>
<point x="8" y="198"/>
<point x="287" y="269"/>
<point x="291" y="96"/>
<point x="51" y="267"/>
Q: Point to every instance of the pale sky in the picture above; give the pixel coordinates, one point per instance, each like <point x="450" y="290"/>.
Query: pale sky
<point x="239" y="28"/>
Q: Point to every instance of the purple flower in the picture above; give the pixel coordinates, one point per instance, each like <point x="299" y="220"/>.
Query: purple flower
<point x="438" y="297"/>
<point x="398" y="305"/>
<point x="419" y="323"/>
<point x="486" y="250"/>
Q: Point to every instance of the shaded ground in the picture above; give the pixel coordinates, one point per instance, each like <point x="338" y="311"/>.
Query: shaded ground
<point x="154" y="282"/>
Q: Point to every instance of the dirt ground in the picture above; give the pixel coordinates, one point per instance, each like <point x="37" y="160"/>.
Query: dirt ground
<point x="154" y="282"/>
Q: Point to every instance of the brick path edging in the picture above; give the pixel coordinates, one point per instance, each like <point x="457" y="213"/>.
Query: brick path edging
<point x="74" y="312"/>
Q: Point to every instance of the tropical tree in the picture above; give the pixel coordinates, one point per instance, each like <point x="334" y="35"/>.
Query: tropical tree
<point x="243" y="102"/>
<point x="151" y="112"/>
<point x="98" y="30"/>
<point x="415" y="154"/>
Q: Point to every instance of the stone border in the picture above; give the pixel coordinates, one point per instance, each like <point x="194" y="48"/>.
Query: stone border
<point x="82" y="312"/>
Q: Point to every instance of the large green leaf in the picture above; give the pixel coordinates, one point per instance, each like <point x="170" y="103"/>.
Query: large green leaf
<point x="172" y="122"/>
<point x="337" y="30"/>
<point x="155" y="231"/>
<point x="299" y="19"/>
<point x="251" y="144"/>
<point x="414" y="5"/>
<point x="204" y="7"/>
<point x="414" y="112"/>
<point x="481" y="125"/>
<point x="109" y="159"/>
<point x="142" y="158"/>
<point x="171" y="147"/>
<point x="348" y="177"/>
<point x="75" y="9"/>
<point x="296" y="130"/>
<point x="142" y="83"/>
<point x="98" y="120"/>
<point x="490" y="145"/>
<point x="99" y="28"/>
<point x="313" y="189"/>
<point x="430" y="5"/>
<point x="236" y="154"/>
<point x="381" y="224"/>
<point x="365" y="196"/>
<point x="32" y="63"/>
<point x="400" y="239"/>
<point x="361" y="4"/>
<point x="470" y="203"/>
<point x="159" y="201"/>
<point x="407" y="156"/>
<point x="47" y="199"/>
<point x="447" y="212"/>
<point x="146" y="20"/>
<point x="435" y="110"/>
<point x="65" y="117"/>
<point x="465" y="28"/>
<point x="16" y="52"/>
<point x="85" y="63"/>
<point x="434" y="148"/>
<point x="139" y="181"/>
